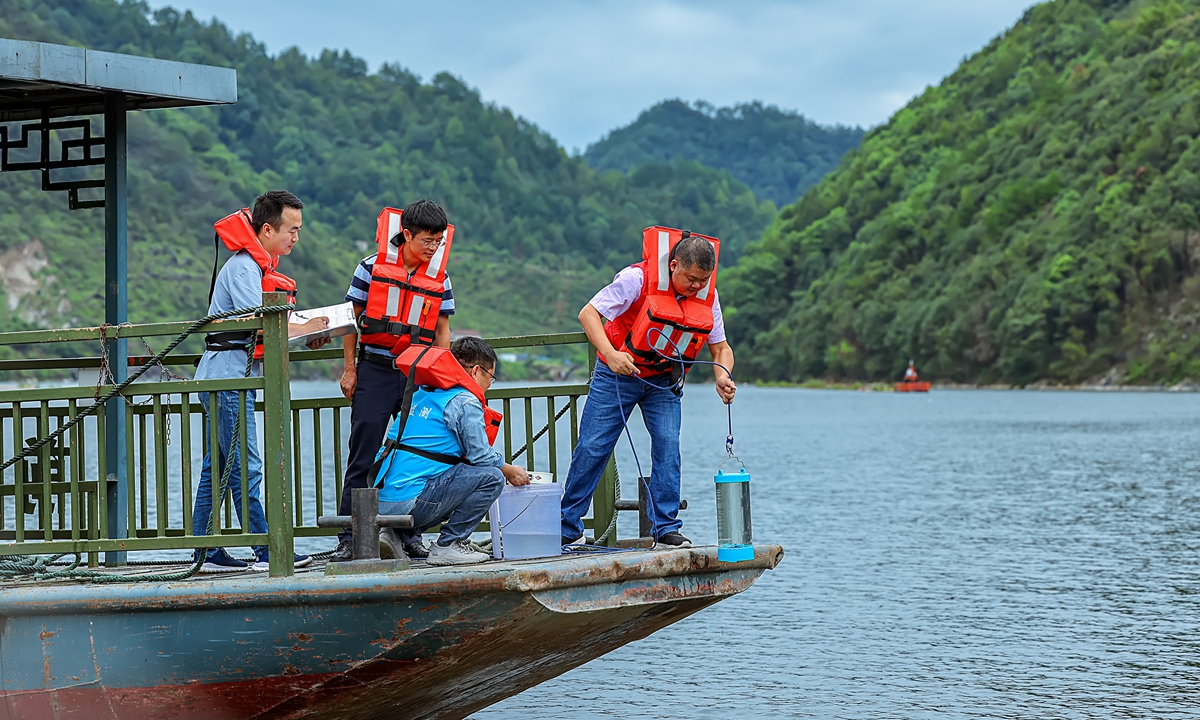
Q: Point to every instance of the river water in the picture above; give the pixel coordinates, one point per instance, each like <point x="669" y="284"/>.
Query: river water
<point x="961" y="554"/>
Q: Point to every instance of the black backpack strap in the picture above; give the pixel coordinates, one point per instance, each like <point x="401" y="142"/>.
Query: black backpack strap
<point x="212" y="285"/>
<point x="437" y="457"/>
<point x="410" y="388"/>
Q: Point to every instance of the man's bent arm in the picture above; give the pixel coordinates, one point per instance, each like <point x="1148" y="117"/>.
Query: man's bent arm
<point x="593" y="326"/>
<point x="349" y="381"/>
<point x="723" y="354"/>
<point x="464" y="415"/>
<point x="441" y="333"/>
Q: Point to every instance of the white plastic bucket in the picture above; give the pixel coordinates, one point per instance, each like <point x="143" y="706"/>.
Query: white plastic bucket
<point x="526" y="522"/>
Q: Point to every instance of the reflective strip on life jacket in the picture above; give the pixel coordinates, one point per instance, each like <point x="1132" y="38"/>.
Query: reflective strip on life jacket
<point x="237" y="233"/>
<point x="658" y="323"/>
<point x="402" y="310"/>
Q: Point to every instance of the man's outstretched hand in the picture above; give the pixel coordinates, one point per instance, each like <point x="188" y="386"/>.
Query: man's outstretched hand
<point x="726" y="389"/>
<point x="515" y="474"/>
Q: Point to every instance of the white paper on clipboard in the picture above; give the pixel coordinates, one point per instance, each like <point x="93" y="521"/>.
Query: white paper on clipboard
<point x="341" y="322"/>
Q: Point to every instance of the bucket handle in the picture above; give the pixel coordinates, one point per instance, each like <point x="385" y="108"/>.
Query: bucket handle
<point x="729" y="457"/>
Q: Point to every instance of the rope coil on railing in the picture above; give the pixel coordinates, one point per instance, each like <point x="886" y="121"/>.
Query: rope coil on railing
<point x="37" y="567"/>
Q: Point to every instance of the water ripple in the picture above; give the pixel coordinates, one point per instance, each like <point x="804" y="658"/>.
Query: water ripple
<point x="961" y="554"/>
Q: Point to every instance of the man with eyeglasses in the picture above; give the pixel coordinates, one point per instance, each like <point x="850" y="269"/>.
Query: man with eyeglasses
<point x="439" y="466"/>
<point x="370" y="381"/>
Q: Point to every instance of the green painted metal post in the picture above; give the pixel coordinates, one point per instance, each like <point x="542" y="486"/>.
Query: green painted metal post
<point x="277" y="437"/>
<point x="116" y="311"/>
<point x="604" y="502"/>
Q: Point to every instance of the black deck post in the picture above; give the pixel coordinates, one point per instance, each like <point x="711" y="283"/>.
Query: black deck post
<point x="116" y="311"/>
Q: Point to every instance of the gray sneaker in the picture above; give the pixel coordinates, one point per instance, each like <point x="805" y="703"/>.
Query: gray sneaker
<point x="390" y="547"/>
<point x="344" y="552"/>
<point x="456" y="553"/>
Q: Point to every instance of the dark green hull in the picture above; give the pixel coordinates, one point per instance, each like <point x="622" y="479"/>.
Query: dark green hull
<point x="426" y="643"/>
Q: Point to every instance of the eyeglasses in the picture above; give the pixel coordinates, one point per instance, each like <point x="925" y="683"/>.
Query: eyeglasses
<point x="433" y="244"/>
<point x="489" y="372"/>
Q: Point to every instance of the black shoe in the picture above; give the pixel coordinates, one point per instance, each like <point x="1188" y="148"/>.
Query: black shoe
<point x="674" y="539"/>
<point x="344" y="552"/>
<point x="572" y="541"/>
<point x="415" y="549"/>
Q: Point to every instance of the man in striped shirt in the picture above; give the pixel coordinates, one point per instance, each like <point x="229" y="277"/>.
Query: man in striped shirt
<point x="370" y="382"/>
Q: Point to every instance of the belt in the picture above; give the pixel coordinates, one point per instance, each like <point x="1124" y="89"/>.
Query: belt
<point x="377" y="359"/>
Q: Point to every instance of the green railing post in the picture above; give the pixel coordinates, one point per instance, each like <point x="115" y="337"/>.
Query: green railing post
<point x="604" y="502"/>
<point x="277" y="438"/>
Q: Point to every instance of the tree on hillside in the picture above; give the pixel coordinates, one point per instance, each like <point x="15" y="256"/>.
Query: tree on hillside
<point x="538" y="230"/>
<point x="776" y="153"/>
<point x="1032" y="217"/>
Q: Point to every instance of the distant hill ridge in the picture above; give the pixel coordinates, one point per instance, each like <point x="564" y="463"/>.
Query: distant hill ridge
<point x="538" y="230"/>
<point x="1033" y="217"/>
<point x="777" y="153"/>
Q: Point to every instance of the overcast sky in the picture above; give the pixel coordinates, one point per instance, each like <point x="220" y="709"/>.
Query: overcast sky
<point x="580" y="68"/>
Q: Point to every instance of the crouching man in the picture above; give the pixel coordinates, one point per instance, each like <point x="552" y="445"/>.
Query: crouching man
<point x="437" y="463"/>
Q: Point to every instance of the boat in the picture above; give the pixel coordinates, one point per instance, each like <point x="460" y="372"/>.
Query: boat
<point x="424" y="643"/>
<point x="110" y="637"/>
<point x="911" y="382"/>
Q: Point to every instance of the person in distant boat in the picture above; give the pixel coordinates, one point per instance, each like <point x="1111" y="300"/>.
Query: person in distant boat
<point x="258" y="240"/>
<point x="634" y="367"/>
<point x="910" y="375"/>
<point x="412" y="248"/>
<point x="438" y="463"/>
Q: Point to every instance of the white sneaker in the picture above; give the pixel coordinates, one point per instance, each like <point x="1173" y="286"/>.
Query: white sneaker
<point x="390" y="547"/>
<point x="456" y="553"/>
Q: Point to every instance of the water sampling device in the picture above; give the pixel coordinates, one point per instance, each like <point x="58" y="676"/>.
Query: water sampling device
<point x="735" y="541"/>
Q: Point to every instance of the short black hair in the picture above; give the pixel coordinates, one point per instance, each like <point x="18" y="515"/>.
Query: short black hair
<point x="695" y="252"/>
<point x="471" y="351"/>
<point x="268" y="208"/>
<point x="421" y="216"/>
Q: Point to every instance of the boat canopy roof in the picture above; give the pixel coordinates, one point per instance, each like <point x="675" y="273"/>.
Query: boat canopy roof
<point x="62" y="80"/>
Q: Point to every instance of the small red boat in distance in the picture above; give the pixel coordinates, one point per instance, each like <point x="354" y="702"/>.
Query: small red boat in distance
<point x="911" y="383"/>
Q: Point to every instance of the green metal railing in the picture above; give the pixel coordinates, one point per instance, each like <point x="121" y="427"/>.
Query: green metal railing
<point x="56" y="501"/>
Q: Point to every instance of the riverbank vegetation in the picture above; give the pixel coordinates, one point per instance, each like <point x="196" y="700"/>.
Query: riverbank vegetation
<point x="1033" y="217"/>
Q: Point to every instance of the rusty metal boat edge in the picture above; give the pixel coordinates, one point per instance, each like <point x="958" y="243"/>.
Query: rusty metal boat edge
<point x="426" y="643"/>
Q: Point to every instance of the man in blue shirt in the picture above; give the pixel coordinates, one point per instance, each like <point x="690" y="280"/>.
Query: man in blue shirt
<point x="276" y="220"/>
<point x="370" y="381"/>
<point x="445" y="423"/>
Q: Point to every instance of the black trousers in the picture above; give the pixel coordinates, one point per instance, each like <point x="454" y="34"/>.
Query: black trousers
<point x="376" y="403"/>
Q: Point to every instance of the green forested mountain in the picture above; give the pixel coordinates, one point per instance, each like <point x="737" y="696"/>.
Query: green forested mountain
<point x="1033" y="216"/>
<point x="538" y="231"/>
<point x="777" y="154"/>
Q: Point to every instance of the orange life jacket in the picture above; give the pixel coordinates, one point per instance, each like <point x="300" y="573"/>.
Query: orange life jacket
<point x="237" y="232"/>
<point x="437" y="367"/>
<point x="402" y="311"/>
<point x="658" y="323"/>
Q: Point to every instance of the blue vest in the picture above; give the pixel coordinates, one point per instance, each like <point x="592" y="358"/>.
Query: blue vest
<point x="404" y="474"/>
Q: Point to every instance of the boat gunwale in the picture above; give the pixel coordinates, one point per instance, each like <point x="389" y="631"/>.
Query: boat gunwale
<point x="313" y="588"/>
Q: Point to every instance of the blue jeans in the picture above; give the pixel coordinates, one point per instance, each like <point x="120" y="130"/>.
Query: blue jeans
<point x="460" y="496"/>
<point x="227" y="419"/>
<point x="603" y="421"/>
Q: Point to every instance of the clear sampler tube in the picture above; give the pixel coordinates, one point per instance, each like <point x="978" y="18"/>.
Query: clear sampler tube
<point x="734" y="533"/>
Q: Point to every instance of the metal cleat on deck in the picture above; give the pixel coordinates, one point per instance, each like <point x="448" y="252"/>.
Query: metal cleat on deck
<point x="364" y="521"/>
